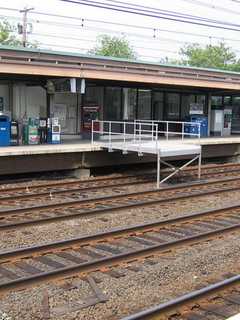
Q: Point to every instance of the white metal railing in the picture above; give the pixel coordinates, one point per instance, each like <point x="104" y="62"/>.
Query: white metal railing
<point x="140" y="133"/>
<point x="137" y="132"/>
<point x="183" y="133"/>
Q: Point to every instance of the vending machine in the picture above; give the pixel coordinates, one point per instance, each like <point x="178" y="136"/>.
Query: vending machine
<point x="89" y="113"/>
<point x="221" y="122"/>
<point x="15" y="136"/>
<point x="42" y="130"/>
<point x="227" y="121"/>
<point x="53" y="131"/>
<point x="56" y="131"/>
<point x="30" y="131"/>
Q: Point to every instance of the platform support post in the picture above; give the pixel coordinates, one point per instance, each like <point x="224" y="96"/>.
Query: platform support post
<point x="199" y="165"/>
<point x="158" y="169"/>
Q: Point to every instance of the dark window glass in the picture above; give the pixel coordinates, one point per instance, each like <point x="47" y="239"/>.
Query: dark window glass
<point x="144" y="104"/>
<point x="187" y="99"/>
<point x="227" y="100"/>
<point x="173" y="106"/>
<point x="236" y="115"/>
<point x="158" y="105"/>
<point x="216" y="101"/>
<point x="129" y="103"/>
<point x="112" y="103"/>
<point x="94" y="96"/>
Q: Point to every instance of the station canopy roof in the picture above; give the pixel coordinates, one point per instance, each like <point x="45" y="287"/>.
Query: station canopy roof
<point x="32" y="62"/>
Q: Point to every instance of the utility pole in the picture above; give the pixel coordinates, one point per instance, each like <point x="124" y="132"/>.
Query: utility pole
<point x="24" y="25"/>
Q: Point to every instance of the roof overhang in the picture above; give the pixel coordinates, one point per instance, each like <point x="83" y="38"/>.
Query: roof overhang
<point x="58" y="65"/>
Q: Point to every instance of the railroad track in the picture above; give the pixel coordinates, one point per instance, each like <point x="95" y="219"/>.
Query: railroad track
<point x="39" y="214"/>
<point x="29" y="266"/>
<point x="80" y="189"/>
<point x="219" y="300"/>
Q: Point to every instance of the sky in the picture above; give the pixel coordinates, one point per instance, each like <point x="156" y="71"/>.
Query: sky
<point x="77" y="35"/>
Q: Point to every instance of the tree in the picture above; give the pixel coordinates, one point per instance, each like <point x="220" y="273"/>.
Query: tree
<point x="212" y="56"/>
<point x="6" y="38"/>
<point x="113" y="47"/>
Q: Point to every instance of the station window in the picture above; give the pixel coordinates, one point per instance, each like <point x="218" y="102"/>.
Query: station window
<point x="158" y="103"/>
<point x="173" y="106"/>
<point x="236" y="101"/>
<point x="144" y="104"/>
<point x="216" y="101"/>
<point x="236" y="115"/>
<point x="112" y="103"/>
<point x="227" y="100"/>
<point x="129" y="103"/>
<point x="187" y="99"/>
<point x="201" y="98"/>
<point x="94" y="96"/>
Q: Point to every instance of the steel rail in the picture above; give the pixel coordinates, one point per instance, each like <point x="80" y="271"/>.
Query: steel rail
<point x="156" y="311"/>
<point x="66" y="183"/>
<point x="63" y="183"/>
<point x="108" y="262"/>
<point x="118" y="196"/>
<point x="91" y="188"/>
<point x="88" y="212"/>
<point x="56" y="192"/>
<point x="116" y="232"/>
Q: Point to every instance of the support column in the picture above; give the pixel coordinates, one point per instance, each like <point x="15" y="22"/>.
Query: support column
<point x="199" y="165"/>
<point x="158" y="169"/>
<point x="50" y="101"/>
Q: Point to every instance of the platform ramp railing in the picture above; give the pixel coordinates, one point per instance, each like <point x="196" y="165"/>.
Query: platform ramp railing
<point x="120" y="134"/>
<point x="164" y="128"/>
<point x="143" y="137"/>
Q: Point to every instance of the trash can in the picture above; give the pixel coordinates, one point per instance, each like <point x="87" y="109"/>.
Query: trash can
<point x="4" y="131"/>
<point x="191" y="128"/>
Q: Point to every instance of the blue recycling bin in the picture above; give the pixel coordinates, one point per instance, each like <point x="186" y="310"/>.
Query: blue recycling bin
<point x="5" y="128"/>
<point x="191" y="128"/>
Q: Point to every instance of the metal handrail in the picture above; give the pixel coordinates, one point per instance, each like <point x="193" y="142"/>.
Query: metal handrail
<point x="138" y="132"/>
<point x="142" y="131"/>
<point x="183" y="124"/>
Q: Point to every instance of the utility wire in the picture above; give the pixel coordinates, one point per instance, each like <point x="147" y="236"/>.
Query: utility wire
<point x="211" y="23"/>
<point x="83" y="21"/>
<point x="212" y="6"/>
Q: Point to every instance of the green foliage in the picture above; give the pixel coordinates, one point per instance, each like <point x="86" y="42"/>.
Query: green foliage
<point x="113" y="47"/>
<point x="6" y="36"/>
<point x="9" y="38"/>
<point x="212" y="56"/>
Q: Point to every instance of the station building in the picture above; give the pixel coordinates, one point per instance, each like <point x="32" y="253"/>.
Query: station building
<point x="37" y="83"/>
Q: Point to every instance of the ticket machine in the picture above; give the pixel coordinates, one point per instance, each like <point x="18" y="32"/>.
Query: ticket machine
<point x="89" y="113"/>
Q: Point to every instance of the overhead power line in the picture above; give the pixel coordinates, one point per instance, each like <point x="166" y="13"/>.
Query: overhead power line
<point x="128" y="8"/>
<point x="156" y="37"/>
<point x="212" y="6"/>
<point x="83" y="22"/>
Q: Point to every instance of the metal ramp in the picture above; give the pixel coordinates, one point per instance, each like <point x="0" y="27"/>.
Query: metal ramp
<point x="145" y="137"/>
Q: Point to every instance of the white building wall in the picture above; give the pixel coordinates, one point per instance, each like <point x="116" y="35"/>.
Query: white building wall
<point x="29" y="101"/>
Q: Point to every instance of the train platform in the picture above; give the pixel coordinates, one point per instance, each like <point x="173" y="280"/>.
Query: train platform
<point x="80" y="145"/>
<point x="66" y="147"/>
<point x="76" y="153"/>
